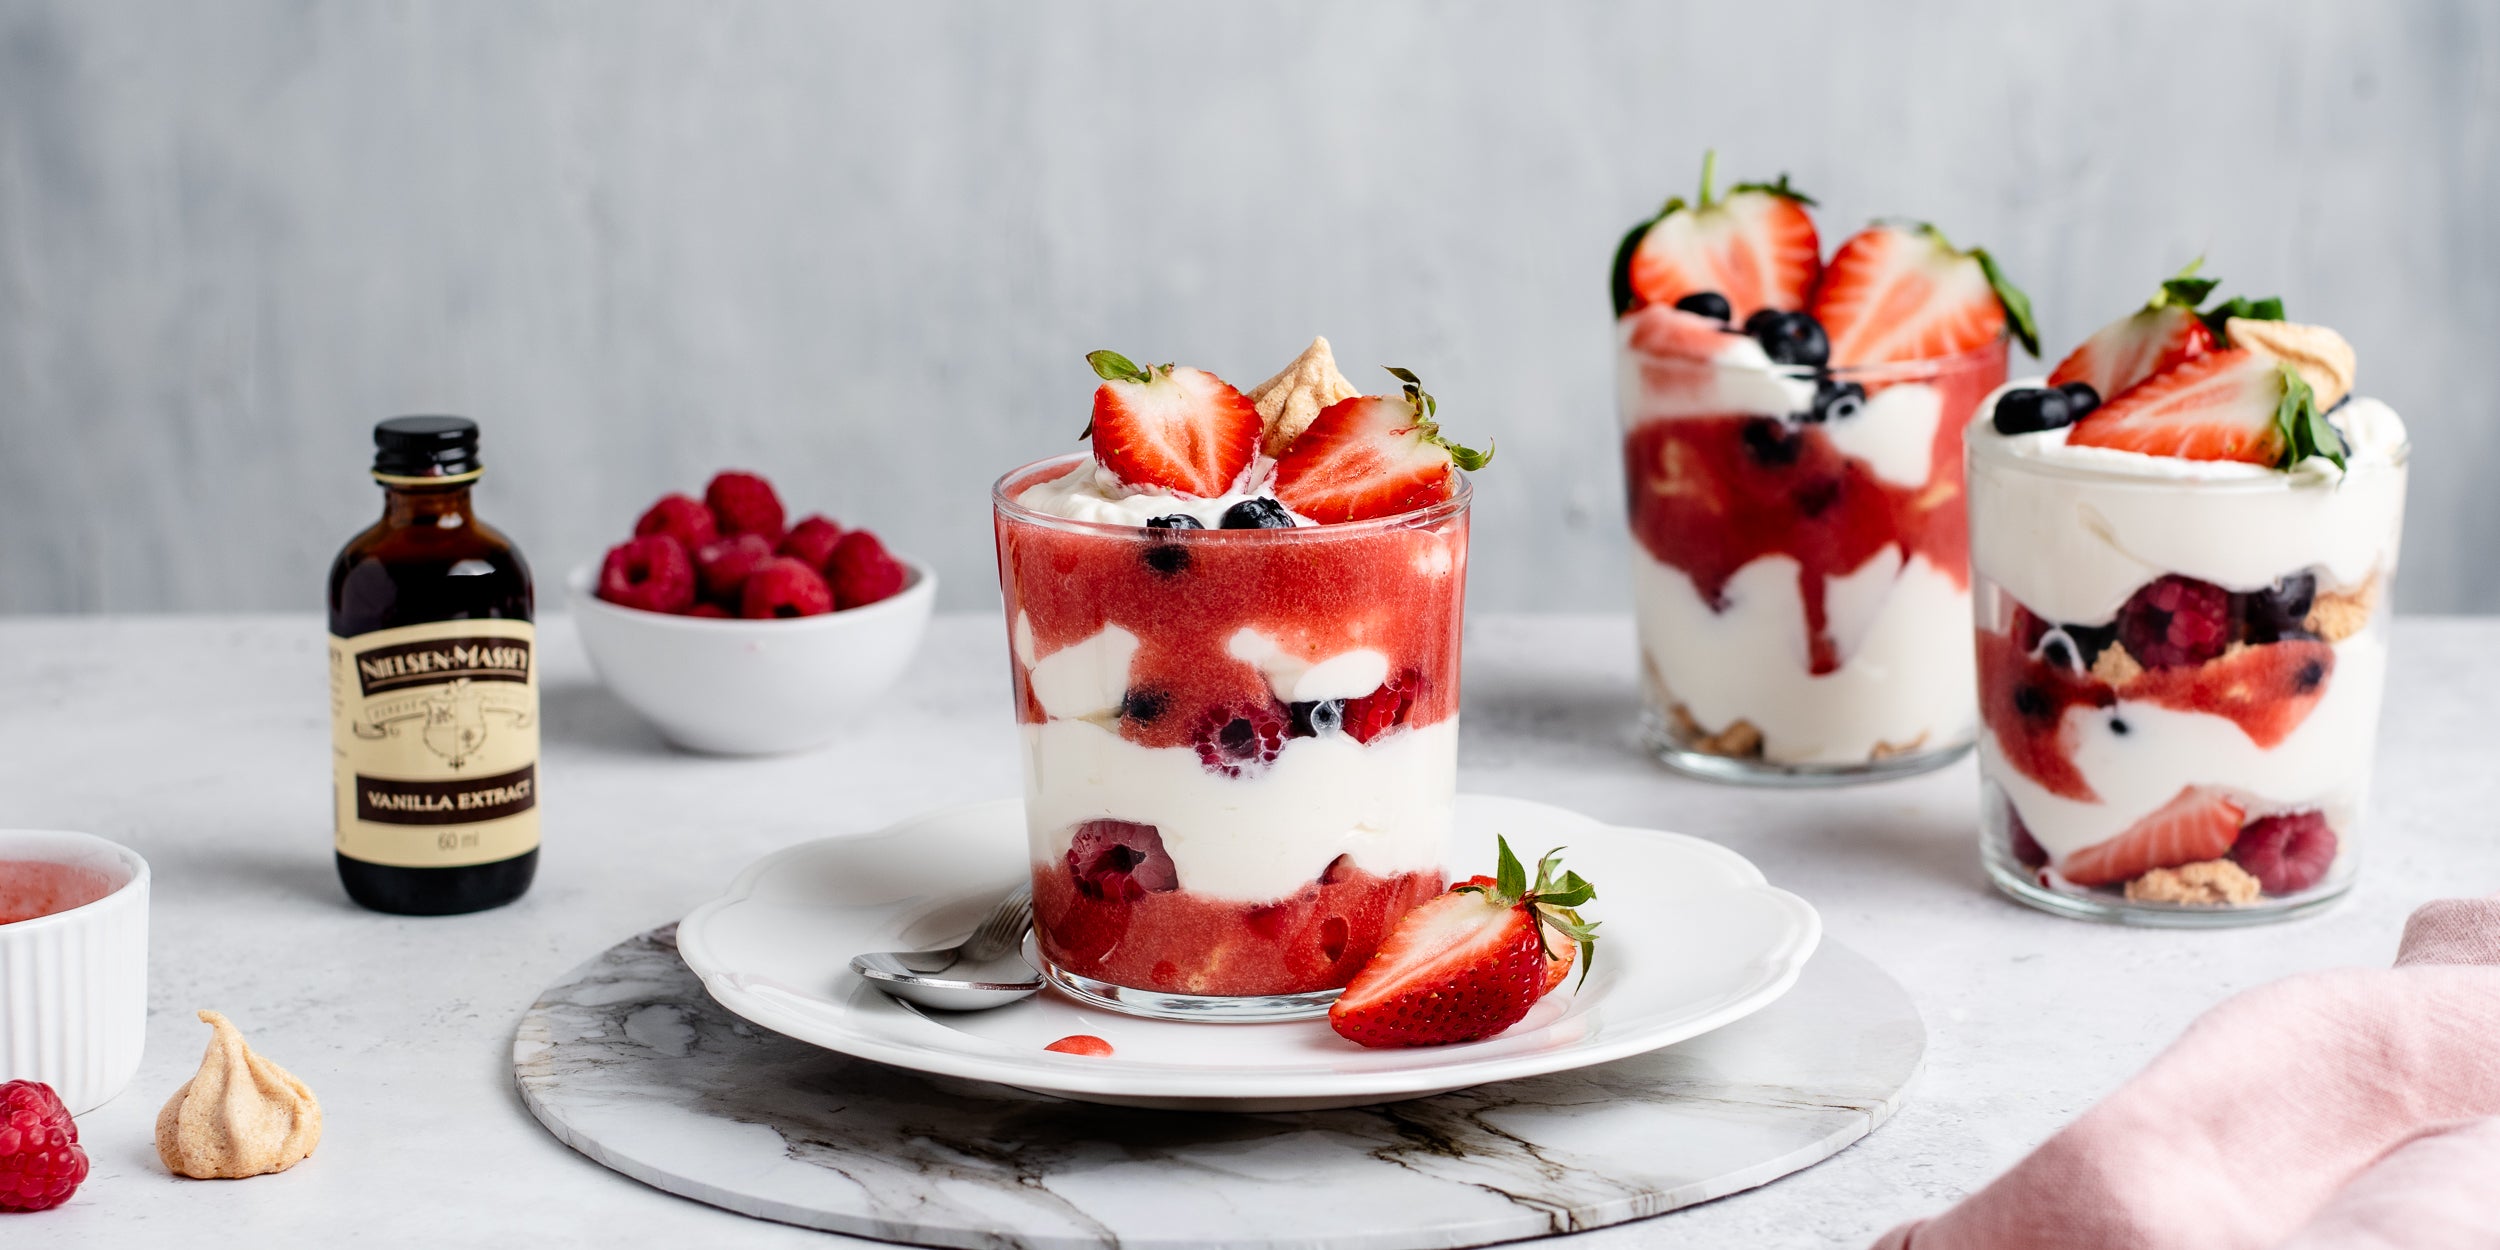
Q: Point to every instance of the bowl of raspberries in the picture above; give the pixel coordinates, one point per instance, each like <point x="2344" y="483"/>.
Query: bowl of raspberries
<point x="738" y="632"/>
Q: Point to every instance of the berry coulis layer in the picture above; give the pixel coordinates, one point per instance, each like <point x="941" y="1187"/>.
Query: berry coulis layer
<point x="1317" y="592"/>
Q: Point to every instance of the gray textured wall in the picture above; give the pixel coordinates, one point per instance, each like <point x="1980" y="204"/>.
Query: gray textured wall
<point x="864" y="247"/>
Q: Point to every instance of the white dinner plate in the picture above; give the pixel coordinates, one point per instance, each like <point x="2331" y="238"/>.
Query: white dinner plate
<point x="1693" y="939"/>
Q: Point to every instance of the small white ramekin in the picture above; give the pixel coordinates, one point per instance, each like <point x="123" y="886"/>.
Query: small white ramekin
<point x="74" y="984"/>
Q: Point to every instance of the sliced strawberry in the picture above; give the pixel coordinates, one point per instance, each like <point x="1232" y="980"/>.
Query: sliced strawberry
<point x="1467" y="964"/>
<point x="2190" y="829"/>
<point x="1757" y="248"/>
<point x="1659" y="330"/>
<point x="1901" y="292"/>
<point x="1559" y="955"/>
<point x="2223" y="405"/>
<point x="1372" y="456"/>
<point x="2166" y="332"/>
<point x="1172" y="426"/>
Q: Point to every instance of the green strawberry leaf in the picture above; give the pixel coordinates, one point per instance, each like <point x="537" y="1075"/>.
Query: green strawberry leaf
<point x="1111" y="366"/>
<point x="1511" y="878"/>
<point x="1426" y="408"/>
<point x="2217" y="317"/>
<point x="2017" y="305"/>
<point x="1625" y="300"/>
<point x="2184" y="289"/>
<point x="1779" y="188"/>
<point x="2306" y="431"/>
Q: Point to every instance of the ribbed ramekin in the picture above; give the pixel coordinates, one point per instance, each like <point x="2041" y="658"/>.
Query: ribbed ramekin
<point x="74" y="984"/>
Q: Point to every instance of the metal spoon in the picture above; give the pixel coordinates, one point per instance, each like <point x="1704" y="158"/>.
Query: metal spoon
<point x="985" y="970"/>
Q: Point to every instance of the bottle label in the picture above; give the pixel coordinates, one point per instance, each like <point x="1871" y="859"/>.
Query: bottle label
<point x="434" y="740"/>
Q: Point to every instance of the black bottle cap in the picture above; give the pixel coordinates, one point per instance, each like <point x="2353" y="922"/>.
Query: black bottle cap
<point x="425" y="447"/>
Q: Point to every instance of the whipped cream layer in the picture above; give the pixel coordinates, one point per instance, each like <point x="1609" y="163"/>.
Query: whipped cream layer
<point x="1091" y="492"/>
<point x="1255" y="838"/>
<point x="2324" y="764"/>
<point x="2072" y="532"/>
<point x="1907" y="680"/>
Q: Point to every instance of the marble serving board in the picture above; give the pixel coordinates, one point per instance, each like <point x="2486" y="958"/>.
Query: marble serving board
<point x="628" y="1061"/>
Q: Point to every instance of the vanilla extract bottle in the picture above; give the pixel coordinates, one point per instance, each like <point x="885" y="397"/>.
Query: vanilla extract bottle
<point x="433" y="688"/>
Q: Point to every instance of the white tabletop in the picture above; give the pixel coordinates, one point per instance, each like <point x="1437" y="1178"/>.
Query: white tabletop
<point x="202" y="742"/>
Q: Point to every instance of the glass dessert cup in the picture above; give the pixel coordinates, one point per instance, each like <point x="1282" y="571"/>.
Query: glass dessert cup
<point x="1240" y="747"/>
<point x="2136" y="767"/>
<point x="1798" y="576"/>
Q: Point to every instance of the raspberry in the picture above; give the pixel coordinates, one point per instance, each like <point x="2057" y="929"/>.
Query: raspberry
<point x="2287" y="853"/>
<point x="862" y="572"/>
<point x="1120" y="859"/>
<point x="1380" y="711"/>
<point x="812" y="540"/>
<point x="682" y="517"/>
<point x="715" y="611"/>
<point x="744" y="503"/>
<point x="726" y="565"/>
<point x="2176" y="622"/>
<point x="784" y="587"/>
<point x="40" y="1162"/>
<point x="650" y="573"/>
<point x="1242" y="740"/>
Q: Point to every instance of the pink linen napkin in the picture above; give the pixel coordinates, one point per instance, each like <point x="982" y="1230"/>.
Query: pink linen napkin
<point x="2358" y="1107"/>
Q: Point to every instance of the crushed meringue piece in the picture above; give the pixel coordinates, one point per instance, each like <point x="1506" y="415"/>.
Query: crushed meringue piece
<point x="1291" y="400"/>
<point x="2338" y="615"/>
<point x="241" y="1116"/>
<point x="2115" y="667"/>
<point x="1887" y="750"/>
<point x="2206" y="882"/>
<point x="2321" y="356"/>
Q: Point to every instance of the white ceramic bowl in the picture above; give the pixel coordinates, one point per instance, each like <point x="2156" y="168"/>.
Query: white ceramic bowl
<point x="74" y="984"/>
<point x="734" y="687"/>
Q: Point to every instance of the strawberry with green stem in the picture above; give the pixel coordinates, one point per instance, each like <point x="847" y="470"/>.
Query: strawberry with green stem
<point x="1755" y="248"/>
<point x="1470" y="963"/>
<point x="1170" y="426"/>
<point x="1373" y="456"/>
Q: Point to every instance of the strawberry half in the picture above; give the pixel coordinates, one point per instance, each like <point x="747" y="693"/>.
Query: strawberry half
<point x="2163" y="334"/>
<point x="1902" y="292"/>
<point x="1182" y="429"/>
<point x="2190" y="829"/>
<point x="1372" y="456"/>
<point x="2232" y="404"/>
<point x="1757" y="247"/>
<point x="1468" y="964"/>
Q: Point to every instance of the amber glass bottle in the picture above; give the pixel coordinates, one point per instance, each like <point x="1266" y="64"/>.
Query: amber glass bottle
<point x="433" y="688"/>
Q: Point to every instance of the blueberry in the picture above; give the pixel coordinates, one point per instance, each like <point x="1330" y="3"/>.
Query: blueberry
<point x="2031" y="410"/>
<point x="2074" y="647"/>
<point x="1167" y="558"/>
<point x="1709" y="304"/>
<point x="1312" y="720"/>
<point x="1257" y="514"/>
<point x="1176" y="521"/>
<point x="1836" y="401"/>
<point x="2280" y="611"/>
<point x="2092" y="640"/>
<point x="2033" y="703"/>
<point x="2081" y="399"/>
<point x="1144" y="705"/>
<point x="1790" y="338"/>
<point x="1771" y="443"/>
